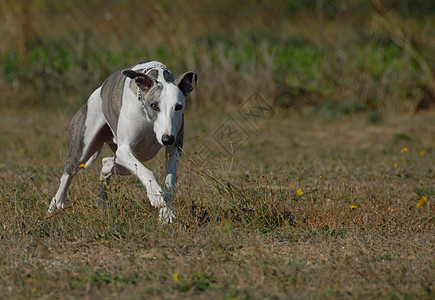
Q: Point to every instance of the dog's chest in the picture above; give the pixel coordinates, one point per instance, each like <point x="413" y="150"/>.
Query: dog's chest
<point x="146" y="149"/>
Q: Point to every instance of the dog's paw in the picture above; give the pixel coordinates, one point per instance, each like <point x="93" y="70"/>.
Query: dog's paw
<point x="156" y="200"/>
<point x="154" y="193"/>
<point x="166" y="215"/>
<point x="54" y="206"/>
<point x="162" y="200"/>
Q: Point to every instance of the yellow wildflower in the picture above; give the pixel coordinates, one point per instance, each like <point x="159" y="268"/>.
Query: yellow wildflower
<point x="421" y="153"/>
<point x="422" y="201"/>
<point x="404" y="150"/>
<point x="82" y="165"/>
<point x="176" y="277"/>
<point x="352" y="206"/>
<point x="299" y="192"/>
<point x="396" y="165"/>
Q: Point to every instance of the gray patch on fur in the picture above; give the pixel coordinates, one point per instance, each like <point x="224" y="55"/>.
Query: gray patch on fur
<point x="153" y="96"/>
<point x="76" y="143"/>
<point x="154" y="74"/>
<point x="111" y="95"/>
<point x="168" y="76"/>
<point x="180" y="137"/>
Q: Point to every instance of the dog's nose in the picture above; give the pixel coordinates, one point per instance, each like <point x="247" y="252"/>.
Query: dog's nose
<point x="168" y="140"/>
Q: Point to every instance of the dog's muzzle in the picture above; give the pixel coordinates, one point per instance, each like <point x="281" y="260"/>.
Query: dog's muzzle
<point x="168" y="140"/>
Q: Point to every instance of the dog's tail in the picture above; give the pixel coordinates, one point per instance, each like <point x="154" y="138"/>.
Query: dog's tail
<point x="92" y="159"/>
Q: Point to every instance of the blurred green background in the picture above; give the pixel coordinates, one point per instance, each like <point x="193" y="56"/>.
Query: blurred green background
<point x="344" y="56"/>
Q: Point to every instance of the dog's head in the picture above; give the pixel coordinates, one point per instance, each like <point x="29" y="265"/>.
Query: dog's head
<point x="164" y="100"/>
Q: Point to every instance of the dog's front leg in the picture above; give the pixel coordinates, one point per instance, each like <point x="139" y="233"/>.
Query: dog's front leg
<point x="172" y="156"/>
<point x="125" y="157"/>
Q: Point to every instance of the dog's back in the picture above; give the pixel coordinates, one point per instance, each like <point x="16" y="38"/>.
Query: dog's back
<point x="111" y="97"/>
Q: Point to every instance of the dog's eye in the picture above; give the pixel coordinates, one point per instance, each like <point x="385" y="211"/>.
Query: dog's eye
<point x="178" y="107"/>
<point x="154" y="106"/>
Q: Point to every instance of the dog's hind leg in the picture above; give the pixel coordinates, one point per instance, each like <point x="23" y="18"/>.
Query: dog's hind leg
<point x="76" y="145"/>
<point x="59" y="200"/>
<point x="87" y="133"/>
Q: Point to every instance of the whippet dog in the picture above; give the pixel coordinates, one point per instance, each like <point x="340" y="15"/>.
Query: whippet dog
<point x="136" y="112"/>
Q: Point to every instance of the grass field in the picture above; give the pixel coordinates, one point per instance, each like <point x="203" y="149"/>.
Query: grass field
<point x="313" y="208"/>
<point x="327" y="195"/>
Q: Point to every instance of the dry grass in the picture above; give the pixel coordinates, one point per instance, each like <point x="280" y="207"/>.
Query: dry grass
<point x="242" y="229"/>
<point x="323" y="200"/>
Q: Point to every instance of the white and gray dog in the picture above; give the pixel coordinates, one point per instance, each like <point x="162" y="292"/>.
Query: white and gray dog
<point x="135" y="112"/>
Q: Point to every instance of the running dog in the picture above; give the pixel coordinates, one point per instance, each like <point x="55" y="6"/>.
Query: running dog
<point x="136" y="112"/>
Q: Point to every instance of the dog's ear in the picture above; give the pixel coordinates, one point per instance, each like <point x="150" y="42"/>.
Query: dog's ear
<point x="184" y="82"/>
<point x="143" y="81"/>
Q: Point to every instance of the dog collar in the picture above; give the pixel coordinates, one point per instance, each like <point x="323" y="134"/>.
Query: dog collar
<point x="157" y="66"/>
<point x="139" y="97"/>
